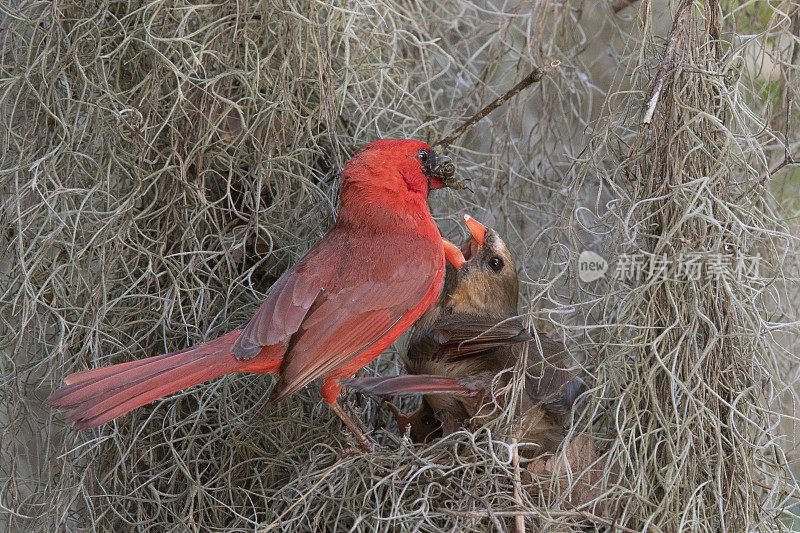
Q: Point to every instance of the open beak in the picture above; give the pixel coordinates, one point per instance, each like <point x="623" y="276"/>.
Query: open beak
<point x="476" y="229"/>
<point x="458" y="256"/>
<point x="476" y="239"/>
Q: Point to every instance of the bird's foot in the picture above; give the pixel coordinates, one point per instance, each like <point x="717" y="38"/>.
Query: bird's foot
<point x="369" y="447"/>
<point x="365" y="442"/>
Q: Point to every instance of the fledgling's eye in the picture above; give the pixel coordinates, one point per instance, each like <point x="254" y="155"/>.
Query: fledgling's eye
<point x="496" y="264"/>
<point x="422" y="155"/>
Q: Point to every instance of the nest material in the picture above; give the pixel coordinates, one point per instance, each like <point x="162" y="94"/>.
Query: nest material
<point x="164" y="162"/>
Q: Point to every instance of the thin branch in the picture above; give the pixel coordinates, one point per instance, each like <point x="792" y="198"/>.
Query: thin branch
<point x="788" y="159"/>
<point x="536" y="75"/>
<point x="305" y="495"/>
<point x="541" y="514"/>
<point x="518" y="519"/>
<point x="791" y="494"/>
<point x="668" y="62"/>
<point x="795" y="31"/>
<point x="490" y="512"/>
<point x="619" y="5"/>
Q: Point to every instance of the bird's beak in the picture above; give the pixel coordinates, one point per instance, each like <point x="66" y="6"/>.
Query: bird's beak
<point x="476" y="229"/>
<point x="441" y="171"/>
<point x="453" y="254"/>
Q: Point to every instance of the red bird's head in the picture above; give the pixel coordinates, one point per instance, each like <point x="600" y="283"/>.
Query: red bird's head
<point x="398" y="168"/>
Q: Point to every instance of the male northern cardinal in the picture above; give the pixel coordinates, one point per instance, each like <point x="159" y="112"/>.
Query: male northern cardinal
<point x="472" y="334"/>
<point x="356" y="291"/>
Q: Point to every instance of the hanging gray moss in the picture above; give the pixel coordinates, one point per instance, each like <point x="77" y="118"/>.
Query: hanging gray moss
<point x="163" y="163"/>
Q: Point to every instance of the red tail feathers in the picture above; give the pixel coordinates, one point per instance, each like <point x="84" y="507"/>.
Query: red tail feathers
<point x="102" y="394"/>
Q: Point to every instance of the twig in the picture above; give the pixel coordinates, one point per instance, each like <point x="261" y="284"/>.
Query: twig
<point x="784" y="492"/>
<point x="619" y="5"/>
<point x="786" y="161"/>
<point x="668" y="62"/>
<point x="536" y="75"/>
<point x="305" y="495"/>
<point x="519" y="519"/>
<point x="551" y="514"/>
<point x="787" y="153"/>
<point x="796" y="32"/>
<point x="489" y="510"/>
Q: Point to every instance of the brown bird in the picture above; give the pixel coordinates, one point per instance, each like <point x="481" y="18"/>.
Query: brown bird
<point x="458" y="348"/>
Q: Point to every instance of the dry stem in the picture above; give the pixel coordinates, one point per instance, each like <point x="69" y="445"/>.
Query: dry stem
<point x="536" y="75"/>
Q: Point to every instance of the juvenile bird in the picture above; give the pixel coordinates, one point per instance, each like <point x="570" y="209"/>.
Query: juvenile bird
<point x="472" y="334"/>
<point x="356" y="291"/>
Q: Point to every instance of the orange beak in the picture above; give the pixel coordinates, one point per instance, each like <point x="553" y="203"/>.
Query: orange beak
<point x="452" y="254"/>
<point x="476" y="229"/>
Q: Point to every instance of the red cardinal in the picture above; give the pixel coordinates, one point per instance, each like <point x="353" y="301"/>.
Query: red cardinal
<point x="473" y="333"/>
<point x="356" y="291"/>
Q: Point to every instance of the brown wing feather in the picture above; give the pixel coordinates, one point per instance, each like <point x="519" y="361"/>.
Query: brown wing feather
<point x="413" y="385"/>
<point x="555" y="388"/>
<point x="460" y="336"/>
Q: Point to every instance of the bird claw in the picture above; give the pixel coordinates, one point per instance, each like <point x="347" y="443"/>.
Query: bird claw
<point x="369" y="446"/>
<point x="365" y="442"/>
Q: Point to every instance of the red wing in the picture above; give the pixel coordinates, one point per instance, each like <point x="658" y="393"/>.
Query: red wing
<point x="346" y="323"/>
<point x="338" y="301"/>
<point x="289" y="300"/>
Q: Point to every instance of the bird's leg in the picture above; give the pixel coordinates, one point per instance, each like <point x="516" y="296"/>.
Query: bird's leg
<point x="365" y="442"/>
<point x="330" y="392"/>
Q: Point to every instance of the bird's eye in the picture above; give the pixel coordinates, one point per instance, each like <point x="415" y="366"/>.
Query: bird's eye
<point x="496" y="264"/>
<point x="422" y="155"/>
